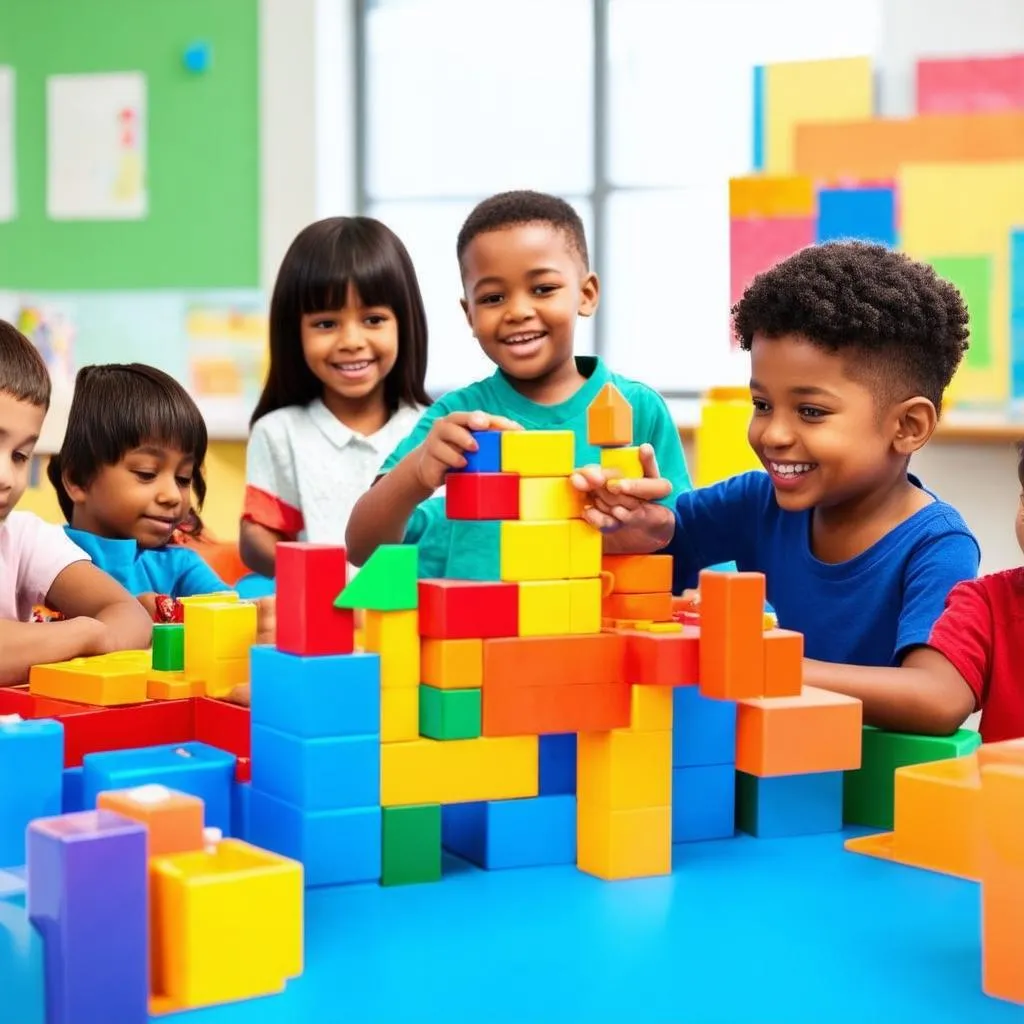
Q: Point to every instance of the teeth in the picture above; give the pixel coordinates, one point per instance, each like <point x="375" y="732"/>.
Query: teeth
<point x="518" y="339"/>
<point x="352" y="366"/>
<point x="791" y="468"/>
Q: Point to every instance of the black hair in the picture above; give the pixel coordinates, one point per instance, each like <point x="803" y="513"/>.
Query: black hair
<point x="905" y="326"/>
<point x="508" y="209"/>
<point x="23" y="374"/>
<point x="1020" y="463"/>
<point x="117" y="407"/>
<point x="315" y="274"/>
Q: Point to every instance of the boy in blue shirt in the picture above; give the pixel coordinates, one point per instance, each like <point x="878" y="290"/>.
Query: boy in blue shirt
<point x="852" y="346"/>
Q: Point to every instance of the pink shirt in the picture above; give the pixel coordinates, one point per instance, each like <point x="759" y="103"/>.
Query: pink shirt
<point x="32" y="555"/>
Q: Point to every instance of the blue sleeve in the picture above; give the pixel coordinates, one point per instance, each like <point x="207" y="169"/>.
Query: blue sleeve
<point x="659" y="430"/>
<point x="936" y="566"/>
<point x="717" y="524"/>
<point x="194" y="576"/>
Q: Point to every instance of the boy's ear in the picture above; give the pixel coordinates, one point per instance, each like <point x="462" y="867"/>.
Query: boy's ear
<point x="915" y="424"/>
<point x="590" y="294"/>
<point x="465" y="312"/>
<point x="74" y="491"/>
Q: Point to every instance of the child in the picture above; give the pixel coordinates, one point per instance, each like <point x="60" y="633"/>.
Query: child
<point x="131" y="458"/>
<point x="348" y="359"/>
<point x="38" y="564"/>
<point x="852" y="347"/>
<point x="526" y="279"/>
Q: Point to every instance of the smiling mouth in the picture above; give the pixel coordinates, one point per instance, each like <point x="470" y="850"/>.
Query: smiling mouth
<point x="791" y="470"/>
<point x="354" y="367"/>
<point x="162" y="520"/>
<point x="524" y="339"/>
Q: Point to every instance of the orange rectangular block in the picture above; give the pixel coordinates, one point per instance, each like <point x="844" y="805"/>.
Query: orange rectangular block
<point x="624" y="770"/>
<point x="663" y="659"/>
<point x="559" y="708"/>
<point x="650" y="607"/>
<point x="783" y="663"/>
<point x="732" y="634"/>
<point x="554" y="660"/>
<point x="609" y="419"/>
<point x="818" y="731"/>
<point x="173" y="820"/>
<point x="1003" y="809"/>
<point x="771" y="195"/>
<point x="638" y="574"/>
<point x="452" y="664"/>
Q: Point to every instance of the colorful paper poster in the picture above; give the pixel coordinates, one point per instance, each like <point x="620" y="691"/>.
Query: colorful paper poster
<point x="52" y="330"/>
<point x="8" y="199"/>
<point x="972" y="85"/>
<point x="96" y="147"/>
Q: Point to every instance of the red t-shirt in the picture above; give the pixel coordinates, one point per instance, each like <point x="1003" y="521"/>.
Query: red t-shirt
<point x="981" y="632"/>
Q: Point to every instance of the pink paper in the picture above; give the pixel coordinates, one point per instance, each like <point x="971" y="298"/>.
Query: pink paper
<point x="970" y="86"/>
<point x="757" y="244"/>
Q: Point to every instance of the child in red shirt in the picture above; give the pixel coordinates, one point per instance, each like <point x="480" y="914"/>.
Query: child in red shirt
<point x="979" y="639"/>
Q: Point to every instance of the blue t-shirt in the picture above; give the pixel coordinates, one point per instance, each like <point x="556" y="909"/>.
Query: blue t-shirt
<point x="869" y="610"/>
<point x="172" y="570"/>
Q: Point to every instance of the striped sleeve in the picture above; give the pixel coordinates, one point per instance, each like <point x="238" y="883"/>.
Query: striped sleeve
<point x="271" y="489"/>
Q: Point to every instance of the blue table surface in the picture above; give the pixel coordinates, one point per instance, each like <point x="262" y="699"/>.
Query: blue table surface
<point x="744" y="930"/>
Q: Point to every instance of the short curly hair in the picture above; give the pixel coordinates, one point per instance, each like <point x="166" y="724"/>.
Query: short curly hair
<point x="907" y="326"/>
<point x="508" y="209"/>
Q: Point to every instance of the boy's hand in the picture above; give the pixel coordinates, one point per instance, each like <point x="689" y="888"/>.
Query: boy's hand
<point x="266" y="620"/>
<point x="623" y="509"/>
<point x="450" y="437"/>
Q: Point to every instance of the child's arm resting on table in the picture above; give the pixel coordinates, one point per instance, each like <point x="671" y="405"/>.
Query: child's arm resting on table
<point x="100" y="616"/>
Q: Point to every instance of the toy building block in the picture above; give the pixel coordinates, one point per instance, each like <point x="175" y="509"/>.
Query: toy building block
<point x="538" y="452"/>
<point x="16" y="700"/>
<point x="703" y="803"/>
<point x="638" y="574"/>
<point x="231" y="896"/>
<point x="399" y="714"/>
<point x="868" y="791"/>
<point x="218" y="638"/>
<point x="195" y="768"/>
<point x="545" y="607"/>
<point x="88" y="898"/>
<point x="1003" y="752"/>
<point x="624" y="844"/>
<point x="174" y="821"/>
<point x="585" y="605"/>
<point x="411" y="844"/>
<point x="487" y="457"/>
<point x="535" y="550"/>
<point x="223" y="725"/>
<point x="554" y="661"/>
<point x="241" y="799"/>
<point x="31" y="767"/>
<point x="609" y="419"/>
<point x="103" y="680"/>
<point x="548" y="498"/>
<point x="461" y="609"/>
<point x="169" y="647"/>
<point x="703" y="729"/>
<point x="458" y="771"/>
<point x="650" y="709"/>
<point x="452" y="664"/>
<point x="449" y="714"/>
<point x="555" y="708"/>
<point x="72" y="793"/>
<point x="94" y="730"/>
<point x="818" y="731"/>
<point x="173" y="686"/>
<point x="721" y="436"/>
<point x="395" y="636"/>
<point x="482" y="496"/>
<point x="789" y="805"/>
<point x="624" y="770"/>
<point x="652" y="607"/>
<point x="625" y="460"/>
<point x="386" y="583"/>
<point x="732" y="634"/>
<point x="783" y="663"/>
<point x="663" y="659"/>
<point x="243" y="773"/>
<point x="497" y="834"/>
<point x="584" y="550"/>
<point x="309" y="576"/>
<point x="557" y="768"/>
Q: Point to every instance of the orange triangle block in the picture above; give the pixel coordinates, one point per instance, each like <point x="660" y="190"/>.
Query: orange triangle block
<point x="609" y="419"/>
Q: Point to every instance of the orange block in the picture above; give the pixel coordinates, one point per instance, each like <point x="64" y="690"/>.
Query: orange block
<point x="732" y="634"/>
<point x="663" y="659"/>
<point x="173" y="820"/>
<point x="554" y="660"/>
<point x="769" y="195"/>
<point x="651" y="607"/>
<point x="173" y="686"/>
<point x="783" y="663"/>
<point x="1005" y="752"/>
<point x="818" y="731"/>
<point x="624" y="770"/>
<point x="638" y="574"/>
<point x="452" y="664"/>
<point x="1003" y="803"/>
<point x="609" y="419"/>
<point x="541" y="710"/>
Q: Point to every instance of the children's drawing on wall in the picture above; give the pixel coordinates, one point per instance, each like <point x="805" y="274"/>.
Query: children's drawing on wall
<point x="52" y="331"/>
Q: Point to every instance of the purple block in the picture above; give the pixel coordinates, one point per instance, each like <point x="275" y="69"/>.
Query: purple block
<point x="88" y="897"/>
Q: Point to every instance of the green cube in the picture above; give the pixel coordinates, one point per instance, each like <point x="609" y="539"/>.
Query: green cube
<point x="169" y="647"/>
<point x="450" y="714"/>
<point x="868" y="792"/>
<point x="411" y="847"/>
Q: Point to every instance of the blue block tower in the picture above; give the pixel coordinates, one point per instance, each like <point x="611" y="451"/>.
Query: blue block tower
<point x="31" y="780"/>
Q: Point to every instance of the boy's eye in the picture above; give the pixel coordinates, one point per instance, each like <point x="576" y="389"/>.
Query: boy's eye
<point x="143" y="475"/>
<point x="810" y="412"/>
<point x="545" y="289"/>
<point x="760" y="405"/>
<point x="489" y="300"/>
<point x="20" y="458"/>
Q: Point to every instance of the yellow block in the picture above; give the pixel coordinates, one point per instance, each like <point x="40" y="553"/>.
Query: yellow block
<point x="585" y="605"/>
<point x="624" y="770"/>
<point x="458" y="771"/>
<point x="106" y="679"/>
<point x="968" y="210"/>
<point x="625" y="460"/>
<point x="395" y="636"/>
<point x="722" y="450"/>
<point x="549" y="497"/>
<point x="812" y="91"/>
<point x="219" y="597"/>
<point x="538" y="452"/>
<point x="399" y="714"/>
<point x="225" y="924"/>
<point x="545" y="607"/>
<point x="766" y="195"/>
<point x="584" y="550"/>
<point x="651" y="709"/>
<point x="218" y="638"/>
<point x="537" y="550"/>
<point x="452" y="664"/>
<point x="624" y="844"/>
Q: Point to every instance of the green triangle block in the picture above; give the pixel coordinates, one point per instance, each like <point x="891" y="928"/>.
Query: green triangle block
<point x="387" y="583"/>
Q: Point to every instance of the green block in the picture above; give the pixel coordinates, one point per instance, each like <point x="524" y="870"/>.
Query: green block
<point x="973" y="276"/>
<point x="387" y="583"/>
<point x="169" y="647"/>
<point x="868" y="791"/>
<point x="450" y="714"/>
<point x="411" y="848"/>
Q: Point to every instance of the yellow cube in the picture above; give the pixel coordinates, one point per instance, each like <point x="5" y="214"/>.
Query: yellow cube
<point x="395" y="636"/>
<point x="549" y="497"/>
<point x="624" y="770"/>
<point x="624" y="844"/>
<point x="216" y="632"/>
<point x="625" y="460"/>
<point x="545" y="607"/>
<point x="538" y="452"/>
<point x="585" y="605"/>
<point x="537" y="551"/>
<point x="651" y="709"/>
<point x="399" y="714"/>
<point x="584" y="550"/>
<point x="105" y="679"/>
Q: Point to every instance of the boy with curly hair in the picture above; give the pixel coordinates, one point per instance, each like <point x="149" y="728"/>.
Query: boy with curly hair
<point x="851" y="347"/>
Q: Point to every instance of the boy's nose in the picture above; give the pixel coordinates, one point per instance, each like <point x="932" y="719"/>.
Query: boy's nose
<point x="776" y="434"/>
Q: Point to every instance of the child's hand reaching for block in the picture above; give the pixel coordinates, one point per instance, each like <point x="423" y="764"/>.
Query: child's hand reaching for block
<point x="449" y="440"/>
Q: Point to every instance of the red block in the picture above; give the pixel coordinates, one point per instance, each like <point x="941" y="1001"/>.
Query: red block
<point x="663" y="659"/>
<point x="16" y="700"/>
<point x="555" y="708"/>
<point x="223" y="725"/>
<point x="123" y="728"/>
<point x="309" y="578"/>
<point x="482" y="496"/>
<point x="243" y="770"/>
<point x="460" y="609"/>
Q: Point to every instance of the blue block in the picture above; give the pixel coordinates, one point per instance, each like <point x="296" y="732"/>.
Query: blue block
<point x="757" y="147"/>
<point x="789" y="805"/>
<point x="703" y="729"/>
<point x="557" y="764"/>
<point x="196" y="768"/>
<point x="334" y="846"/>
<point x="865" y="213"/>
<point x="88" y="897"/>
<point x="487" y="458"/>
<point x="1017" y="273"/>
<point x="335" y="695"/>
<point x="537" y="831"/>
<point x="241" y="793"/>
<point x="703" y="803"/>
<point x="73" y="796"/>
<point x="31" y="781"/>
<point x="1017" y="355"/>
<point x="318" y="774"/>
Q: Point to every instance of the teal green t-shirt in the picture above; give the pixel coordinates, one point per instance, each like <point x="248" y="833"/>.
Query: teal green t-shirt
<point x="459" y="550"/>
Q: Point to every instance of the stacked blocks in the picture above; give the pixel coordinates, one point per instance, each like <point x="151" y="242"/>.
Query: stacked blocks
<point x="31" y="762"/>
